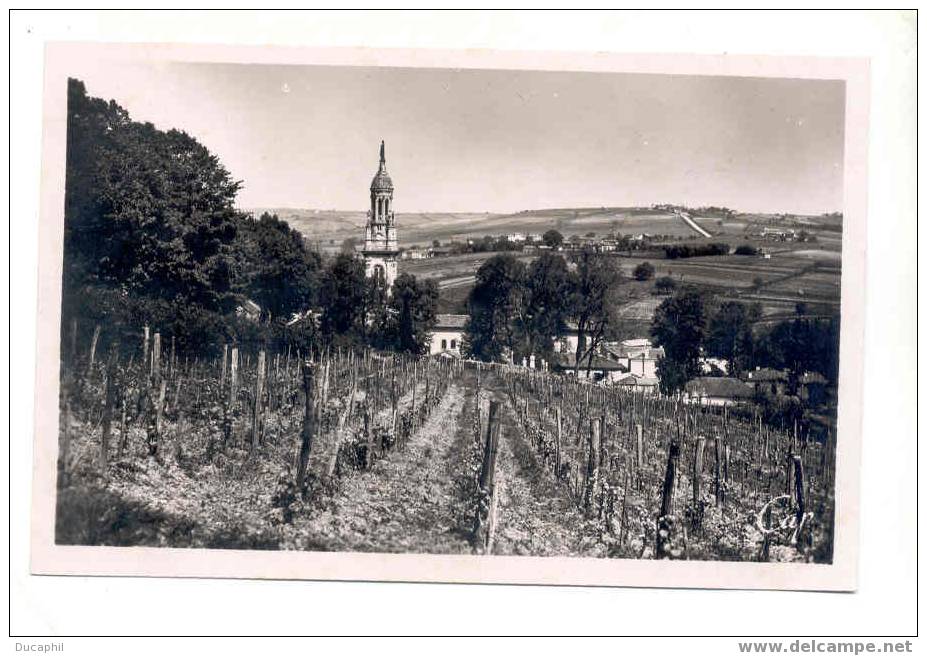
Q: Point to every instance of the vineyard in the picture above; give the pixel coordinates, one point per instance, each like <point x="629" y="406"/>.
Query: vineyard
<point x="340" y="450"/>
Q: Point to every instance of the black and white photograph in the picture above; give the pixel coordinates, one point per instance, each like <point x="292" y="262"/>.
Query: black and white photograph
<point x="492" y="323"/>
<point x="445" y="311"/>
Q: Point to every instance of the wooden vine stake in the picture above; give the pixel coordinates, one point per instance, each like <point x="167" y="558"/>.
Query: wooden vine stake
<point x="592" y="465"/>
<point x="232" y="397"/>
<point x="257" y="407"/>
<point x="109" y="400"/>
<point x="799" y="498"/>
<point x="666" y="520"/>
<point x="93" y="348"/>
<point x="482" y="529"/>
<point x="308" y="430"/>
<point x="147" y="336"/>
<point x="156" y="356"/>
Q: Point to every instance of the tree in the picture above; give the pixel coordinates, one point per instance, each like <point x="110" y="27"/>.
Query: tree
<point x="730" y="335"/>
<point x="665" y="285"/>
<point x="344" y="297"/>
<point x="149" y="216"/>
<point x="546" y="310"/>
<point x="495" y="302"/>
<point x="592" y="300"/>
<point x="644" y="271"/>
<point x="278" y="271"/>
<point x="151" y="212"/>
<point x="412" y="314"/>
<point x="802" y="345"/>
<point x="436" y="243"/>
<point x="745" y="249"/>
<point x="553" y="238"/>
<point x="679" y="325"/>
<point x="349" y="245"/>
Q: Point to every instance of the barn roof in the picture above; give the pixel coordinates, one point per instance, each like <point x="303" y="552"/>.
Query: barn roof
<point x="812" y="378"/>
<point x="568" y="361"/>
<point x="633" y="380"/>
<point x="454" y="321"/>
<point x="719" y="387"/>
<point x="765" y="375"/>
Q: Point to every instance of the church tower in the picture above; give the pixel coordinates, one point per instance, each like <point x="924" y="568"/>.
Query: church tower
<point x="381" y="248"/>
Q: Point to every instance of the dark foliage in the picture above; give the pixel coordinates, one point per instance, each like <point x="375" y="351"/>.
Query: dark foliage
<point x="679" y="326"/>
<point x="695" y="250"/>
<point x="644" y="271"/>
<point x="553" y="238"/>
<point x="496" y="301"/>
<point x="411" y="314"/>
<point x="279" y="272"/>
<point x="665" y="285"/>
<point x="344" y="297"/>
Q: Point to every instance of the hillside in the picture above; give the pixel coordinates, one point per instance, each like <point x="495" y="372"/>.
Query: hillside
<point x="333" y="226"/>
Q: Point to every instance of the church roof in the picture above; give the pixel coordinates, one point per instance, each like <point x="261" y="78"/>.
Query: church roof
<point x="381" y="181"/>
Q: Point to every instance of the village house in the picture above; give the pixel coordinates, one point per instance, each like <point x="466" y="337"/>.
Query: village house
<point x="249" y="310"/>
<point x="599" y="370"/>
<point x="713" y="365"/>
<point x="416" y="253"/>
<point x="813" y="388"/>
<point x="717" y="391"/>
<point x="640" y="384"/>
<point x="568" y="340"/>
<point x="767" y="381"/>
<point x="447" y="334"/>
<point x="638" y="356"/>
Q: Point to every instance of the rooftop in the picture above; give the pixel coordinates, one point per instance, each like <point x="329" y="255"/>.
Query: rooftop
<point x="719" y="387"/>
<point x="451" y="320"/>
<point x="765" y="375"/>
<point x="632" y="380"/>
<point x="568" y="361"/>
<point x="812" y="378"/>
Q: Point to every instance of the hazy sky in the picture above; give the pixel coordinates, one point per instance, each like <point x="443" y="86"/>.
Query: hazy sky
<point x="498" y="141"/>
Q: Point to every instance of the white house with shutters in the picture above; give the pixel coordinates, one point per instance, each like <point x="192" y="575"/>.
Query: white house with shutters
<point x="447" y="333"/>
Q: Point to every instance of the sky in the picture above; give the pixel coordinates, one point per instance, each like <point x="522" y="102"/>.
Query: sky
<point x="498" y="141"/>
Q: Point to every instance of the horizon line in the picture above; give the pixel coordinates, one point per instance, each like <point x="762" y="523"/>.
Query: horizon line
<point x="536" y="209"/>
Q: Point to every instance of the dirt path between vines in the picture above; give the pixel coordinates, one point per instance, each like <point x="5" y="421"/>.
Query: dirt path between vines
<point x="535" y="516"/>
<point x="409" y="502"/>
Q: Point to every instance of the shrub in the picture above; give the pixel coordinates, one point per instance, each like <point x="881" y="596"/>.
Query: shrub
<point x="644" y="271"/>
<point x="665" y="285"/>
<point x="696" y="250"/>
<point x="745" y="249"/>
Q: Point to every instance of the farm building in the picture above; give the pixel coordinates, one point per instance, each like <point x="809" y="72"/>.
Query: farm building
<point x="568" y="339"/>
<point x="447" y="333"/>
<point x="642" y="384"/>
<point x="712" y="365"/>
<point x="600" y="369"/>
<point x="415" y="253"/>
<point x="767" y="381"/>
<point x="249" y="310"/>
<point x="812" y="388"/>
<point x="638" y="356"/>
<point x="713" y="390"/>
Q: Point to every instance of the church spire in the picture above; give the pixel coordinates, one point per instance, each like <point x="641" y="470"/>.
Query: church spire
<point x="382" y="152"/>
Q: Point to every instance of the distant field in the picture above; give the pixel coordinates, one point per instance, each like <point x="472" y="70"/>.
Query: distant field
<point x="807" y="272"/>
<point x="790" y="276"/>
<point x="333" y="226"/>
<point x="450" y="267"/>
